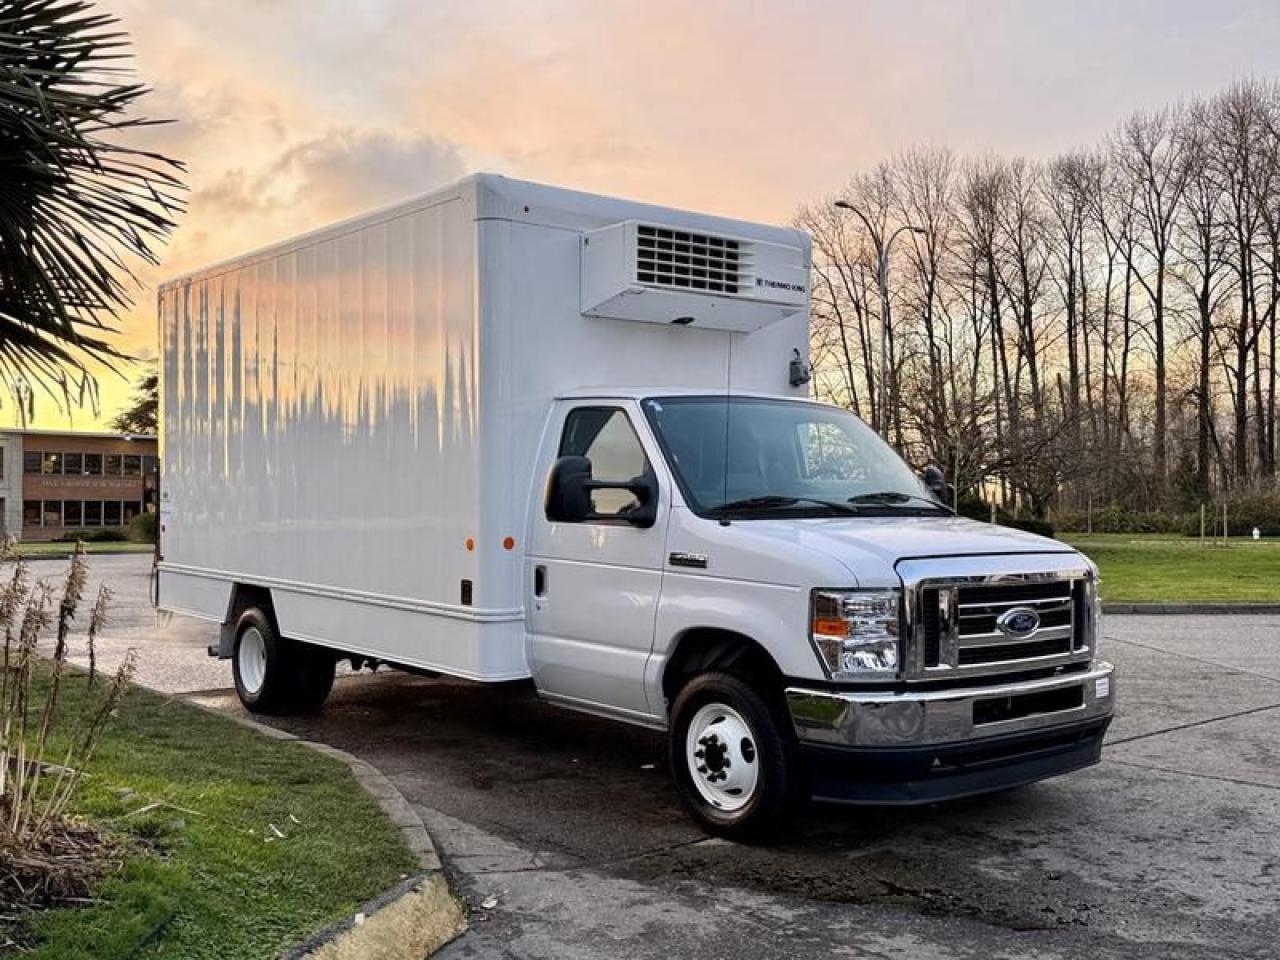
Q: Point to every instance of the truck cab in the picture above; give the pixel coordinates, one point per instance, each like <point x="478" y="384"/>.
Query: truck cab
<point x="766" y="579"/>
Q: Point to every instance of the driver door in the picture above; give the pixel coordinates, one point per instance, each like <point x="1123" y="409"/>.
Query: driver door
<point x="593" y="586"/>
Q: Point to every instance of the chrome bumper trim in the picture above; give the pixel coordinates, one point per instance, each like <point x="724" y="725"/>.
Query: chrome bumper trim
<point x="925" y="717"/>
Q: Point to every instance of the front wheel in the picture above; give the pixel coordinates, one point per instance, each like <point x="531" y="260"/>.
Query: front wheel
<point x="734" y="758"/>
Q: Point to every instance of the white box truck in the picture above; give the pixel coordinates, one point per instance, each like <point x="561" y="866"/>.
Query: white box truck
<point x="512" y="432"/>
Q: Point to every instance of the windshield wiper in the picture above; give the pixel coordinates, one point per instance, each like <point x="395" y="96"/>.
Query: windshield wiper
<point x="773" y="501"/>
<point x="897" y="496"/>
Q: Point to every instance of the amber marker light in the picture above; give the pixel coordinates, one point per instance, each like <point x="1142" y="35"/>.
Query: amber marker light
<point x="830" y="628"/>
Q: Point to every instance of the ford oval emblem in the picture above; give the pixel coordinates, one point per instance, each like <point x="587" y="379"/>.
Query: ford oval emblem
<point x="1018" y="622"/>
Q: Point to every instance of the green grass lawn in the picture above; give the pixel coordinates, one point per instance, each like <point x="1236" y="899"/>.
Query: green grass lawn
<point x="1140" y="568"/>
<point x="209" y="878"/>
<point x="36" y="549"/>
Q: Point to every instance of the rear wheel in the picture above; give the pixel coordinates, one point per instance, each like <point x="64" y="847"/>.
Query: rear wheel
<point x="276" y="675"/>
<point x="315" y="679"/>
<point x="734" y="758"/>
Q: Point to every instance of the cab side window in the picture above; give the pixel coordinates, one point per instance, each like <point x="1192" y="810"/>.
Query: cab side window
<point x="604" y="436"/>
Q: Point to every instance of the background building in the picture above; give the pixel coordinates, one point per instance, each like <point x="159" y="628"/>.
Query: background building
<point x="55" y="481"/>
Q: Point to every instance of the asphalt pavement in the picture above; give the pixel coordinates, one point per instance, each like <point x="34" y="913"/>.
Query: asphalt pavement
<point x="564" y="833"/>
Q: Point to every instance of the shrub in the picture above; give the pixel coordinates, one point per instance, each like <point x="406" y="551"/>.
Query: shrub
<point x="1244" y="513"/>
<point x="1114" y="518"/>
<point x="99" y="535"/>
<point x="975" y="508"/>
<point x="1030" y="524"/>
<point x="143" y="527"/>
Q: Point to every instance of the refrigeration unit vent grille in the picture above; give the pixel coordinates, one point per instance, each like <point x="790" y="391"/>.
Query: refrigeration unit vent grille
<point x="689" y="261"/>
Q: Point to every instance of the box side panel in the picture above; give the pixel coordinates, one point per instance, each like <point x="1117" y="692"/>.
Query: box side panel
<point x="320" y="418"/>
<point x="537" y="345"/>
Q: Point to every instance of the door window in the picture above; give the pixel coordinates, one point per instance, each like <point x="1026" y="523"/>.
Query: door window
<point x="604" y="436"/>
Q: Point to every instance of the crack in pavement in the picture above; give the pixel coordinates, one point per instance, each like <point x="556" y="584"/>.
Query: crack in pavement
<point x="1193" y="723"/>
<point x="1198" y="776"/>
<point x="1186" y="656"/>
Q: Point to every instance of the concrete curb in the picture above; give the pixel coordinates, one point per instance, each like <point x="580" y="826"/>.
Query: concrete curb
<point x="1215" y="609"/>
<point x="408" y="922"/>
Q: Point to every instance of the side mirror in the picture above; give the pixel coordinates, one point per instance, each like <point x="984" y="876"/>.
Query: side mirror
<point x="569" y="489"/>
<point x="935" y="481"/>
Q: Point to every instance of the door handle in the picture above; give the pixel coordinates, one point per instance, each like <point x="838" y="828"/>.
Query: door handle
<point x="539" y="580"/>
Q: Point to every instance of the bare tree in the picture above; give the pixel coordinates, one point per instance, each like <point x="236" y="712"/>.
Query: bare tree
<point x="1148" y="151"/>
<point x="1102" y="325"/>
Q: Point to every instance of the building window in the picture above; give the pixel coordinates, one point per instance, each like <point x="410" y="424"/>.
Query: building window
<point x="132" y="465"/>
<point x="51" y="463"/>
<point x="31" y="461"/>
<point x="93" y="464"/>
<point x="72" y="513"/>
<point x="111" y="513"/>
<point x="113" y="465"/>
<point x="53" y="513"/>
<point x="73" y="464"/>
<point x="131" y="509"/>
<point x="148" y="465"/>
<point x="93" y="513"/>
<point x="31" y="513"/>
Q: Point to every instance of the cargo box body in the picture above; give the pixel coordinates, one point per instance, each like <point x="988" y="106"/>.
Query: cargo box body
<point x="350" y="419"/>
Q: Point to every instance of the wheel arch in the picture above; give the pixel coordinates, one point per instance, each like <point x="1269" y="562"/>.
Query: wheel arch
<point x="243" y="596"/>
<point x="700" y="649"/>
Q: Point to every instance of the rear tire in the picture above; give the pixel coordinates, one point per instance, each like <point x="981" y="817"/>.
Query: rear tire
<point x="261" y="663"/>
<point x="734" y="758"/>
<point x="315" y="679"/>
<point x="276" y="675"/>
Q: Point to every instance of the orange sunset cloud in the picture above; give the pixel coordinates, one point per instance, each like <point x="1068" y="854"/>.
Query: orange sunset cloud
<point x="294" y="113"/>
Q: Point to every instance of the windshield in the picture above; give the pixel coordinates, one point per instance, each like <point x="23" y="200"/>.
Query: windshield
<point x="746" y="454"/>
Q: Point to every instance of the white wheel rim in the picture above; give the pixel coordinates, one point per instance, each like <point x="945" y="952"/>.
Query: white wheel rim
<point x="724" y="763"/>
<point x="252" y="659"/>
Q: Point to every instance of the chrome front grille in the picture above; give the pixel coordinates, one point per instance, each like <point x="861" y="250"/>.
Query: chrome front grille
<point x="997" y="622"/>
<point x="979" y="639"/>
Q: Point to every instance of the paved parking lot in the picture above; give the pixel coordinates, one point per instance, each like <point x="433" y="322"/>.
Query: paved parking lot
<point x="570" y="828"/>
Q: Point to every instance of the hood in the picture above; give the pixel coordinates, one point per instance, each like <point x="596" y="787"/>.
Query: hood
<point x="858" y="542"/>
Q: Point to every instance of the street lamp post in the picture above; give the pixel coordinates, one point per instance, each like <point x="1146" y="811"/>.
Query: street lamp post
<point x="882" y="279"/>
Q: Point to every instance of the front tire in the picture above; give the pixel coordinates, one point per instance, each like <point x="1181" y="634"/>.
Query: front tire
<point x="734" y="758"/>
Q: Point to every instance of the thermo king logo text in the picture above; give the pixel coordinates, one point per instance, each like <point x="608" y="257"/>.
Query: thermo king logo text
<point x="780" y="285"/>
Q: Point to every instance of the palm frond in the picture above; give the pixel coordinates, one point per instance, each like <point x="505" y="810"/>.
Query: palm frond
<point x="77" y="207"/>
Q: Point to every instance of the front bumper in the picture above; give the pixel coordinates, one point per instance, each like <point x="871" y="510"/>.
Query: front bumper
<point x="922" y="746"/>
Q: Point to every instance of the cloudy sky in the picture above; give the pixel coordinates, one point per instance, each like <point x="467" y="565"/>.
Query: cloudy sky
<point x="293" y="113"/>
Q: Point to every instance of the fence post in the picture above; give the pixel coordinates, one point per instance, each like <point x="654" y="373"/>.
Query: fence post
<point x="1089" y="516"/>
<point x="1202" y="543"/>
<point x="1226" y="531"/>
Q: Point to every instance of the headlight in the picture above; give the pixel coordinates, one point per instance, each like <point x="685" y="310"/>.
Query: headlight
<point x="856" y="633"/>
